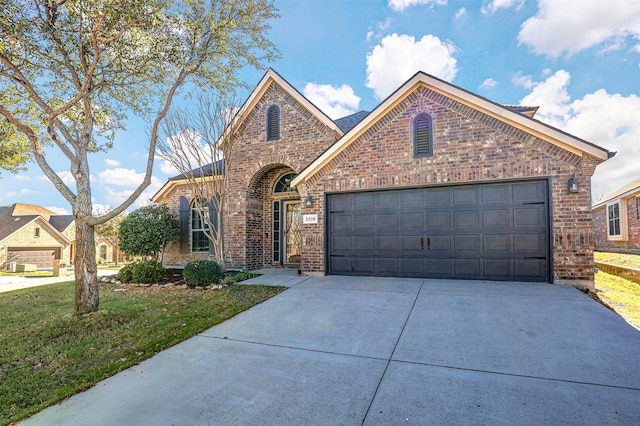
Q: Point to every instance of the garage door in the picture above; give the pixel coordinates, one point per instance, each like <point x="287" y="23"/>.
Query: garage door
<point x="41" y="257"/>
<point x="497" y="231"/>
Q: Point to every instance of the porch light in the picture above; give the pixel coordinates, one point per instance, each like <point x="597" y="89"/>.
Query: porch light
<point x="308" y="201"/>
<point x="573" y="186"/>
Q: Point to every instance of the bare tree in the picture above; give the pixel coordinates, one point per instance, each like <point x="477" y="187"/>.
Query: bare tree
<point x="73" y="71"/>
<point x="200" y="145"/>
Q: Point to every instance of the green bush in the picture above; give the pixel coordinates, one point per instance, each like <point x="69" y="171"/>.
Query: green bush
<point x="145" y="272"/>
<point x="202" y="273"/>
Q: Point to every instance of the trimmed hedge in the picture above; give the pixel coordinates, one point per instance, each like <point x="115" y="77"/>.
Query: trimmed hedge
<point x="201" y="273"/>
<point x="145" y="272"/>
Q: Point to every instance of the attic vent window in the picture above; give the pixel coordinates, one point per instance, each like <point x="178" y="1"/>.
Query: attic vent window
<point x="422" y="136"/>
<point x="273" y="123"/>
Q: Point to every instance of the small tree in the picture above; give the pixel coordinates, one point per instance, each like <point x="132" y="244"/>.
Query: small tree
<point x="200" y="146"/>
<point x="147" y="231"/>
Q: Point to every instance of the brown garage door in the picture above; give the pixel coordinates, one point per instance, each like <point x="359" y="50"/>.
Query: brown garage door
<point x="41" y="257"/>
<point x="496" y="231"/>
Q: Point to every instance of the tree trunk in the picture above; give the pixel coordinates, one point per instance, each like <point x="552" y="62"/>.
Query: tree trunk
<point x="86" y="270"/>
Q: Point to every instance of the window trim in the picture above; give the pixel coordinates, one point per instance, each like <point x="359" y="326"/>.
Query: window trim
<point x="417" y="137"/>
<point x="622" y="220"/>
<point x="273" y="123"/>
<point x="193" y="208"/>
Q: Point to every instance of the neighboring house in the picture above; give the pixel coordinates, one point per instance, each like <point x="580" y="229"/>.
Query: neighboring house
<point x="34" y="235"/>
<point x="617" y="220"/>
<point x="435" y="182"/>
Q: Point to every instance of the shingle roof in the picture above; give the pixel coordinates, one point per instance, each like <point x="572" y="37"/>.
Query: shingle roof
<point x="350" y="121"/>
<point x="9" y="223"/>
<point x="61" y="222"/>
<point x="629" y="189"/>
<point x="207" y="170"/>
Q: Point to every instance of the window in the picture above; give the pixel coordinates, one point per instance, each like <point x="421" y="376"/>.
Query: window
<point x="199" y="224"/>
<point x="613" y="218"/>
<point x="638" y="207"/>
<point x="36" y="232"/>
<point x="273" y="123"/>
<point x="276" y="231"/>
<point x="422" y="136"/>
<point x="102" y="251"/>
<point x="284" y="183"/>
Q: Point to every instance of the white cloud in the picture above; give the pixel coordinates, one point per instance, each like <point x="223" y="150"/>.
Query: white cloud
<point x="525" y="81"/>
<point x="380" y="28"/>
<point x="611" y="121"/>
<point x="22" y="177"/>
<point x="19" y="193"/>
<point x="488" y="83"/>
<point x="336" y="102"/>
<point x="58" y="210"/>
<point x="115" y="197"/>
<point x="400" y="5"/>
<point x="66" y="177"/>
<point x="193" y="159"/>
<point x="494" y="5"/>
<point x="398" y="57"/>
<point x="461" y="13"/>
<point x="564" y="26"/>
<point x="111" y="162"/>
<point x="120" y="177"/>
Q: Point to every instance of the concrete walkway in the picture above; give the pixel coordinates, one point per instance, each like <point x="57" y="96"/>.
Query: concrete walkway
<point x="384" y="351"/>
<point x="16" y="283"/>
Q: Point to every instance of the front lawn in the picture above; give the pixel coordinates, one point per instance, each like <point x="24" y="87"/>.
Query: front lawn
<point x="47" y="353"/>
<point x="622" y="259"/>
<point x="620" y="295"/>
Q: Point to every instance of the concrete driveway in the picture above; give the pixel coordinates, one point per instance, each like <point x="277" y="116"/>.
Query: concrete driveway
<point x="384" y="351"/>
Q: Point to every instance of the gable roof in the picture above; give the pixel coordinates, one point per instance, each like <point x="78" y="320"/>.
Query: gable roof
<point x="350" y="121"/>
<point x="632" y="188"/>
<point x="272" y="77"/>
<point x="61" y="222"/>
<point x="520" y="117"/>
<point x="13" y="218"/>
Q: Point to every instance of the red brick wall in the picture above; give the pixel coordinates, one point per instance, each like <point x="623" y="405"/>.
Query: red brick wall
<point x="633" y="228"/>
<point x="256" y="164"/>
<point x="469" y="146"/>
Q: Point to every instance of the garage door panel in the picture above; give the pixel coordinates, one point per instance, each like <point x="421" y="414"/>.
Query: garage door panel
<point x="439" y="220"/>
<point x="480" y="231"/>
<point x="340" y="202"/>
<point x="496" y="243"/>
<point x="496" y="194"/>
<point x="464" y="243"/>
<point x="497" y="268"/>
<point x="465" y="195"/>
<point x="466" y="219"/>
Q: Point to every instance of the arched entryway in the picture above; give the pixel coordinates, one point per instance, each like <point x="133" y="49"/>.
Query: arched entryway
<point x="274" y="219"/>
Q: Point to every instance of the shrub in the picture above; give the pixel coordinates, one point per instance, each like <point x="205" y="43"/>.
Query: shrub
<point x="145" y="272"/>
<point x="202" y="273"/>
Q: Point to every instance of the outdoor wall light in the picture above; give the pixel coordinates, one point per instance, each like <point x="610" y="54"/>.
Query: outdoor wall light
<point x="308" y="201"/>
<point x="573" y="186"/>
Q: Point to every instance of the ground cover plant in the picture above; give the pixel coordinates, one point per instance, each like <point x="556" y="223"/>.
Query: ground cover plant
<point x="47" y="353"/>
<point x="622" y="259"/>
<point x="620" y="295"/>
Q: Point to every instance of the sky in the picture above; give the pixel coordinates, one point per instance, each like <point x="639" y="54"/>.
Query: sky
<point x="578" y="60"/>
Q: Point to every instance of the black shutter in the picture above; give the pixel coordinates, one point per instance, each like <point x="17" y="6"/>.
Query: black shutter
<point x="273" y="123"/>
<point x="184" y="225"/>
<point x="213" y="218"/>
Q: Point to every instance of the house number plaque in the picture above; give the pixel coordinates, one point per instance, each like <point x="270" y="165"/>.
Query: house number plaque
<point x="309" y="219"/>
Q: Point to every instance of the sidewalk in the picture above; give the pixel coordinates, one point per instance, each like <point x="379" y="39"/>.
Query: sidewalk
<point x="17" y="283"/>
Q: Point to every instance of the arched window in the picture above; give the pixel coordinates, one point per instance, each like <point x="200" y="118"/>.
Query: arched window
<point x="422" y="136"/>
<point x="199" y="224"/>
<point x="273" y="123"/>
<point x="284" y="183"/>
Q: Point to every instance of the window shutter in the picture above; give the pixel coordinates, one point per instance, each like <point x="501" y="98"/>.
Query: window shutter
<point x="273" y="123"/>
<point x="422" y="129"/>
<point x="184" y="225"/>
<point x="213" y="218"/>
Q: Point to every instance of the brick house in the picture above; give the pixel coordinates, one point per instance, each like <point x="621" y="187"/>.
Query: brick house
<point x="616" y="220"/>
<point x="434" y="182"/>
<point x="31" y="234"/>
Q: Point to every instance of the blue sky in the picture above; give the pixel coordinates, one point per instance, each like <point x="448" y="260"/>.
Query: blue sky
<point x="579" y="60"/>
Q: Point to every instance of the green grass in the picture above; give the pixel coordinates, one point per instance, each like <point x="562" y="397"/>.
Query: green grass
<point x="27" y="274"/>
<point x="620" y="295"/>
<point x="47" y="353"/>
<point x="631" y="260"/>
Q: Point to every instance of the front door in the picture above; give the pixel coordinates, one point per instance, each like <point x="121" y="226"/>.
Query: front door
<point x="292" y="232"/>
